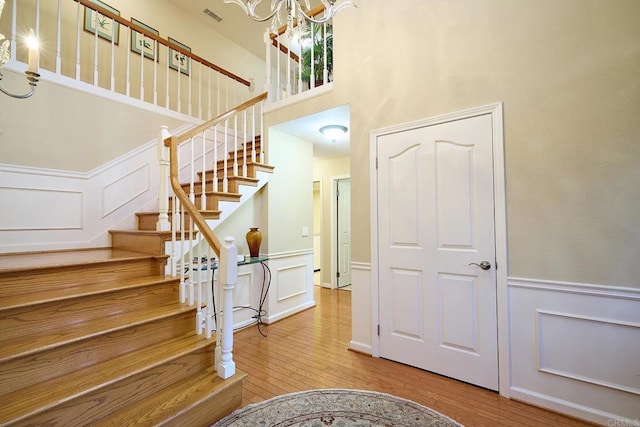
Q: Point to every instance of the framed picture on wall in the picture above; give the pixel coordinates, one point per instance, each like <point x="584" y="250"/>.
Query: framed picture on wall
<point x="143" y="44"/>
<point x="177" y="60"/>
<point x="105" y="27"/>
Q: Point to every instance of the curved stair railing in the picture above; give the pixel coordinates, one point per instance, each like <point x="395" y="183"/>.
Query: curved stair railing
<point x="224" y="153"/>
<point x="120" y="59"/>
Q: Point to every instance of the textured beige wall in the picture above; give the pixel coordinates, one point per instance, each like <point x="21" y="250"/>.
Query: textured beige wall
<point x="62" y="128"/>
<point x="567" y="72"/>
<point x="289" y="194"/>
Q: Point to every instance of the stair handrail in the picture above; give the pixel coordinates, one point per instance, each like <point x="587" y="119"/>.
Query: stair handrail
<point x="227" y="253"/>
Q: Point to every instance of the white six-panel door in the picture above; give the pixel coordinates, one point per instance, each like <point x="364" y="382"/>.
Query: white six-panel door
<point x="437" y="306"/>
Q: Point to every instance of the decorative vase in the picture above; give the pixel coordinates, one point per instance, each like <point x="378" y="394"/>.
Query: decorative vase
<point x="254" y="238"/>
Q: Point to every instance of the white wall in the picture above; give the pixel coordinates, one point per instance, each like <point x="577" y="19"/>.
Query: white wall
<point x="289" y="210"/>
<point x="567" y="74"/>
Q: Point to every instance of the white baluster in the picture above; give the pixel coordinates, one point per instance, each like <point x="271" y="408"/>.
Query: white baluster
<point x="167" y="74"/>
<point x="209" y="94"/>
<point x="112" y="76"/>
<point x="197" y="280"/>
<point x="225" y="180"/>
<point x="203" y="180"/>
<point x="235" y="145"/>
<point x="155" y="73"/>
<point x="263" y="146"/>
<point x="95" y="55"/>
<point x="227" y="279"/>
<point x="78" y="32"/>
<point x="325" y="71"/>
<point x="58" y="40"/>
<point x="216" y="186"/>
<point x="200" y="91"/>
<point x="269" y="81"/>
<point x="14" y="14"/>
<point x="244" y="146"/>
<point x="254" y="139"/>
<point x="189" y="85"/>
<point x="179" y="91"/>
<point x="218" y="97"/>
<point x="278" y="76"/>
<point x="288" y="93"/>
<point x="192" y="168"/>
<point x="141" y="67"/>
<point x="128" y="73"/>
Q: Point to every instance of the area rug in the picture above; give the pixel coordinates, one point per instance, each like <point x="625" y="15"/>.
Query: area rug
<point x="336" y="407"/>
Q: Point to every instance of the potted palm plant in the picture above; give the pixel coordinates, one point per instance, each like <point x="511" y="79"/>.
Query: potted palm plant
<point x="313" y="49"/>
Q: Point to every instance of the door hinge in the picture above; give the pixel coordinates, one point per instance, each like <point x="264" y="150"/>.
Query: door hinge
<point x="338" y="274"/>
<point x="376" y="163"/>
<point x="378" y="330"/>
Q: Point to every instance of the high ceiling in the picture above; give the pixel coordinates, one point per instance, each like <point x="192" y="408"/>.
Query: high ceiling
<point x="239" y="28"/>
<point x="235" y="24"/>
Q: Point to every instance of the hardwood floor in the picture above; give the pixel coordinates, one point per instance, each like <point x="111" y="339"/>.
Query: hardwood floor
<point x="310" y="350"/>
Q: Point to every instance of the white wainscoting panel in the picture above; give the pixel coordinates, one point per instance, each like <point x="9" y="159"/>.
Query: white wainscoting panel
<point x="47" y="209"/>
<point x="575" y="348"/>
<point x="362" y="328"/>
<point x="125" y="188"/>
<point x="246" y="294"/>
<point x="291" y="288"/>
<point x="56" y="209"/>
<point x="291" y="282"/>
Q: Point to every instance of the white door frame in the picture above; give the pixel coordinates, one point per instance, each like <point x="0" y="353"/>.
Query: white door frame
<point x="495" y="110"/>
<point x="334" y="228"/>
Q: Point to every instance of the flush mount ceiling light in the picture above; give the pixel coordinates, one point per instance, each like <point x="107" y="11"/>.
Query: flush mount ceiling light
<point x="333" y="132"/>
<point x="295" y="10"/>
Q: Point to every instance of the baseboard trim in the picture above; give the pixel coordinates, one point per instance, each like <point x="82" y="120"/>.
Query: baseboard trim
<point x="570" y="408"/>
<point x="360" y="347"/>
<point x="284" y="314"/>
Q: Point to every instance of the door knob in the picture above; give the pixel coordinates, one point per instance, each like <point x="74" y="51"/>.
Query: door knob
<point x="485" y="265"/>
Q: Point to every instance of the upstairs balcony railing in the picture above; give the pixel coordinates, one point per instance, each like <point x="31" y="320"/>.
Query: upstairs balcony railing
<point x="299" y="62"/>
<point x="88" y="45"/>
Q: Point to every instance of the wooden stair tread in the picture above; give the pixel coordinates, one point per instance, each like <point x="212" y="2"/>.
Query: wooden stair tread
<point x="70" y="333"/>
<point x="222" y="195"/>
<point x="204" y="212"/>
<point x="162" y="406"/>
<point x="79" y="291"/>
<point x="18" y="262"/>
<point x="23" y="402"/>
<point x="164" y="234"/>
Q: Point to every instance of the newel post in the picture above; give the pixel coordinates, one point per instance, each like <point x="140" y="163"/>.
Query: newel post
<point x="163" y="196"/>
<point x="227" y="279"/>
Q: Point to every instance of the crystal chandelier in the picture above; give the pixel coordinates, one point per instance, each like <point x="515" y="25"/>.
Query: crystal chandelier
<point x="296" y="10"/>
<point x="32" y="69"/>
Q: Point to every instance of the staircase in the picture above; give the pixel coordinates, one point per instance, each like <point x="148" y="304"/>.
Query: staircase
<point x="98" y="336"/>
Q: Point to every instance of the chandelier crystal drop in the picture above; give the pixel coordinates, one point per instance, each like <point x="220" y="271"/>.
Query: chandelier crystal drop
<point x="291" y="12"/>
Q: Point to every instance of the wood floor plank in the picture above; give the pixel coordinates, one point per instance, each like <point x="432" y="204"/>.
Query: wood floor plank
<point x="310" y="350"/>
